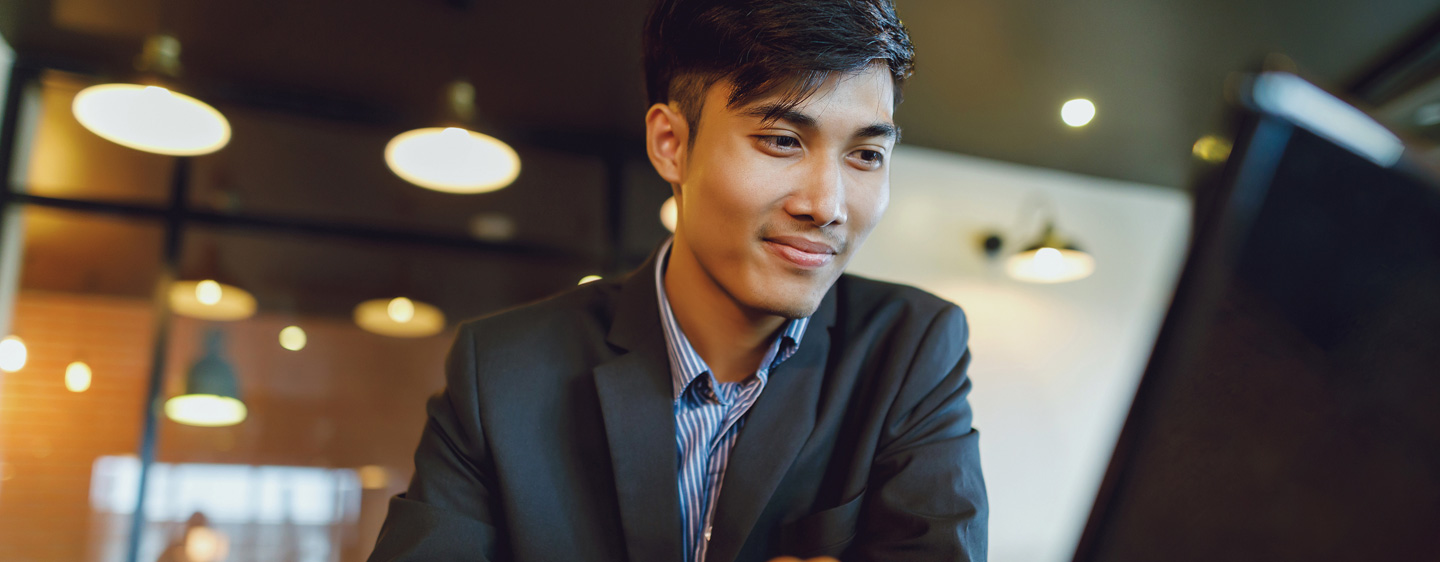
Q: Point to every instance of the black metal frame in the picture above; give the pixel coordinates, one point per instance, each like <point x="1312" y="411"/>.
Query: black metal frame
<point x="178" y="216"/>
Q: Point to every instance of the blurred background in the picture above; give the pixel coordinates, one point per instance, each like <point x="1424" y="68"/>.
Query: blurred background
<point x="220" y="342"/>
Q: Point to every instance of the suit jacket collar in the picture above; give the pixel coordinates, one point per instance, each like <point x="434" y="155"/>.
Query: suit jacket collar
<point x="637" y="402"/>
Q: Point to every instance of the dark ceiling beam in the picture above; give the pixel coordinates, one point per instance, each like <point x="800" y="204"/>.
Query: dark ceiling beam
<point x="270" y="224"/>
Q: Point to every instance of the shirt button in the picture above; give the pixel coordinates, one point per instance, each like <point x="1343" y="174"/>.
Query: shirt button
<point x="707" y="532"/>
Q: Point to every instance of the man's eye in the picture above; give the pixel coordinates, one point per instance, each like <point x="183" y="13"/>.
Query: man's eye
<point x="869" y="159"/>
<point x="782" y="142"/>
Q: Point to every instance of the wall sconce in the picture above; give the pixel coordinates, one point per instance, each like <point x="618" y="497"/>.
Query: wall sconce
<point x="1048" y="258"/>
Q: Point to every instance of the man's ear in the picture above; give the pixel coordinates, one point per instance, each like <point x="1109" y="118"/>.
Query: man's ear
<point x="665" y="135"/>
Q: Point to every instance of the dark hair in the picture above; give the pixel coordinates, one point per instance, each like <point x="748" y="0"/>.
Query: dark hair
<point x="763" y="45"/>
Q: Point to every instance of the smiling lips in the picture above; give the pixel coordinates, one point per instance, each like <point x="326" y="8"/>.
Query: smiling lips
<point x="801" y="252"/>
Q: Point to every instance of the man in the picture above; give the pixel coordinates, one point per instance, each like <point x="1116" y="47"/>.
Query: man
<point x="736" y="398"/>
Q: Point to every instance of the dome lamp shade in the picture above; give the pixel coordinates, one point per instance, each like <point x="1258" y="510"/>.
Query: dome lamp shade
<point x="212" y="390"/>
<point x="399" y="317"/>
<point x="453" y="158"/>
<point x="150" y="115"/>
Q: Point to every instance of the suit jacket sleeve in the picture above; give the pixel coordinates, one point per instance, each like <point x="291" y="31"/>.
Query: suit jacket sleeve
<point x="446" y="513"/>
<point x="925" y="499"/>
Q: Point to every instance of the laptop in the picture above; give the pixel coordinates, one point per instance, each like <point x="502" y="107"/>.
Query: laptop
<point x="1290" y="409"/>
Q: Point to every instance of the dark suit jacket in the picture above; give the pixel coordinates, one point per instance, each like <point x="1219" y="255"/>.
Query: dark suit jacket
<point x="554" y="439"/>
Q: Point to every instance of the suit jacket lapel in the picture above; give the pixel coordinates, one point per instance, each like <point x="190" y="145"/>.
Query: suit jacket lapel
<point x="777" y="426"/>
<point x="637" y="402"/>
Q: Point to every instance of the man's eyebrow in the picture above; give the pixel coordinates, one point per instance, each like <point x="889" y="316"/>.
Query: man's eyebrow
<point x="776" y="112"/>
<point x="887" y="130"/>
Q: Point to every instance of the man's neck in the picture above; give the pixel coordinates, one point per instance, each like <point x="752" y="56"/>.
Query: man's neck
<point x="729" y="337"/>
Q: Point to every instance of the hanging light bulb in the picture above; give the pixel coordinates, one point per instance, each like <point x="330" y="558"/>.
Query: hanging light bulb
<point x="1051" y="259"/>
<point x="453" y="159"/>
<point x="77" y="376"/>
<point x="152" y="117"/>
<point x="12" y="354"/>
<point x="670" y="213"/>
<point x="399" y="317"/>
<point x="400" y="310"/>
<point x="212" y="391"/>
<point x="293" y="338"/>
<point x="211" y="300"/>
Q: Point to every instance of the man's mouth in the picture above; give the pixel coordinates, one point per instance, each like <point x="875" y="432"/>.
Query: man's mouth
<point x="801" y="252"/>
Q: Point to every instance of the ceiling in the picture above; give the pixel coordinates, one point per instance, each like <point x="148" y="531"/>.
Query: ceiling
<point x="314" y="89"/>
<point x="991" y="74"/>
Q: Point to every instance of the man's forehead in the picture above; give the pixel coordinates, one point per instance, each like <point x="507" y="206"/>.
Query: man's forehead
<point x="840" y="97"/>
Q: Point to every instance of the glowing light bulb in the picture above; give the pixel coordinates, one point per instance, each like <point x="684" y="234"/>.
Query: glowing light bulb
<point x="77" y="377"/>
<point x="1050" y="265"/>
<point x="1077" y="112"/>
<point x="12" y="354"/>
<point x="670" y="214"/>
<point x="152" y="119"/>
<point x="589" y="278"/>
<point x="292" y="338"/>
<point x="452" y="160"/>
<point x="1048" y="262"/>
<point x="208" y="292"/>
<point x="401" y="310"/>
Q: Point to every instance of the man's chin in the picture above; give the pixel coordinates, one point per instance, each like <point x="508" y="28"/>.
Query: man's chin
<point x="792" y="307"/>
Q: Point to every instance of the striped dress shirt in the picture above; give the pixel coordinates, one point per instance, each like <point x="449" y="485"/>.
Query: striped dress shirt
<point x="708" y="416"/>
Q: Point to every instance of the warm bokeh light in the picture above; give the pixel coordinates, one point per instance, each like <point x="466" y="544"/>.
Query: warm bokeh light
<point x="77" y="377"/>
<point x="208" y="292"/>
<point x="589" y="278"/>
<point x="670" y="213"/>
<point x="1050" y="265"/>
<point x="12" y="354"/>
<point x="1211" y="148"/>
<point x="210" y="300"/>
<point x="452" y="160"/>
<point x="373" y="477"/>
<point x="400" y="309"/>
<point x="205" y="410"/>
<point x="204" y="544"/>
<point x="152" y="119"/>
<point x="492" y="227"/>
<point x="1077" y="112"/>
<point x="293" y="338"/>
<point x="376" y="316"/>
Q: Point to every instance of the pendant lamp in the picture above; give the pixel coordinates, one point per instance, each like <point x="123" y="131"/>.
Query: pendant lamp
<point x="207" y="298"/>
<point x="212" y="391"/>
<point x="1050" y="259"/>
<point x="399" y="317"/>
<point x="452" y="158"/>
<point x="149" y="115"/>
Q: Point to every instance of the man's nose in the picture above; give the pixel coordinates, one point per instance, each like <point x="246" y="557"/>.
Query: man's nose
<point x="821" y="197"/>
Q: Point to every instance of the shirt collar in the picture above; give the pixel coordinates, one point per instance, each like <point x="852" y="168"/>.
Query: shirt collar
<point x="685" y="362"/>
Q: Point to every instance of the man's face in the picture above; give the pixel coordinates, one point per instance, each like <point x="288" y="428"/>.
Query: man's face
<point x="773" y="211"/>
